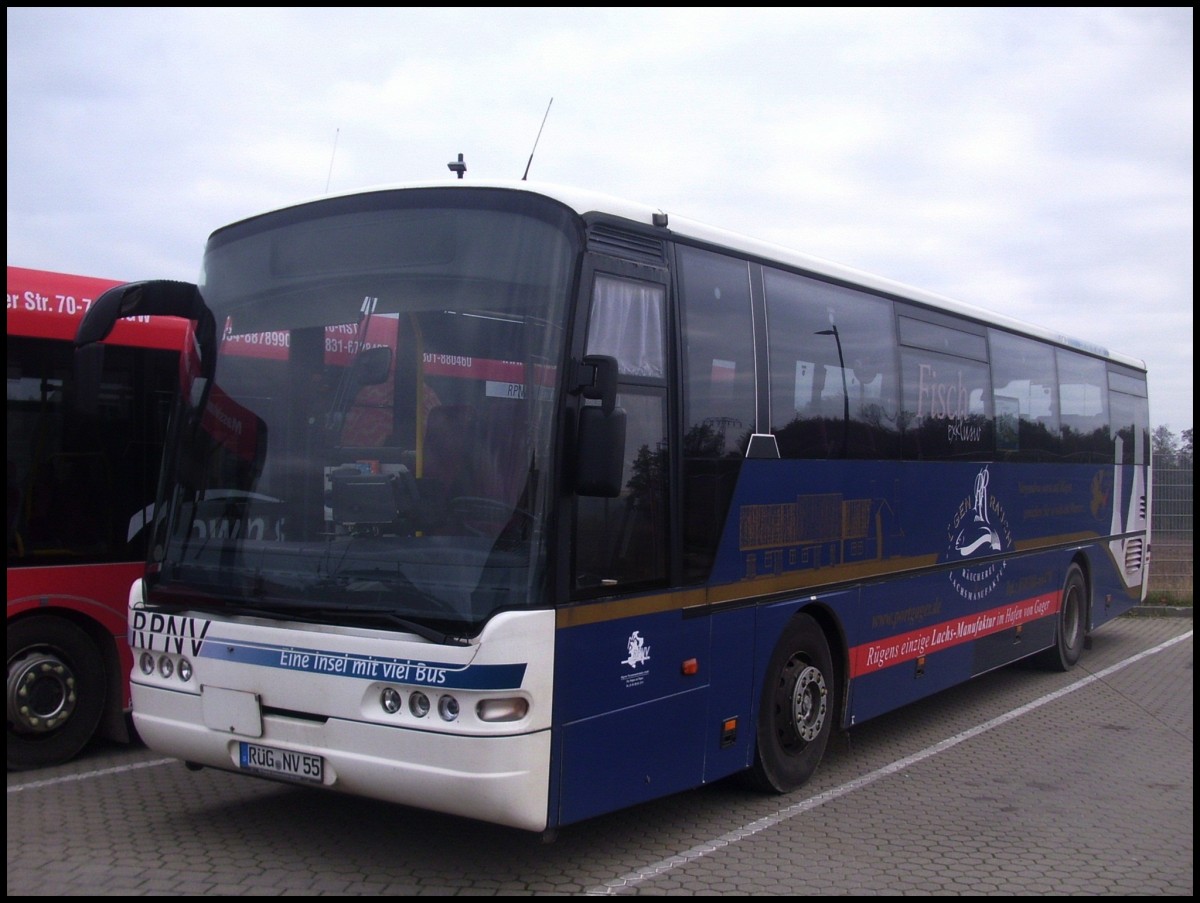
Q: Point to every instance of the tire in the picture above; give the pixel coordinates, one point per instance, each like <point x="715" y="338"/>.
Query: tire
<point x="1071" y="627"/>
<point x="56" y="691"/>
<point x="797" y="709"/>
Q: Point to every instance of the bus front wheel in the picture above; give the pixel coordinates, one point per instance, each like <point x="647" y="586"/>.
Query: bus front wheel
<point x="797" y="709"/>
<point x="1071" y="628"/>
<point x="56" y="691"/>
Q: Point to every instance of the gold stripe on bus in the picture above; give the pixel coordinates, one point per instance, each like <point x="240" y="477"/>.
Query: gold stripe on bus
<point x="629" y="607"/>
<point x="772" y="584"/>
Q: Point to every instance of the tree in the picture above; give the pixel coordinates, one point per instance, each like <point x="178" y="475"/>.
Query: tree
<point x="1164" y="444"/>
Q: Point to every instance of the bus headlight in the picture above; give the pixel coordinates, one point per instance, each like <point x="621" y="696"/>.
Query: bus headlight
<point x="166" y="667"/>
<point x="146" y="663"/>
<point x="185" y="670"/>
<point x="512" y="709"/>
<point x="418" y="704"/>
<point x="391" y="700"/>
<point x="448" y="708"/>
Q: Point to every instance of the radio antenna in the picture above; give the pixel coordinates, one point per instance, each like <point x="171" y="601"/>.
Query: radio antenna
<point x="536" y="140"/>
<point x="331" y="156"/>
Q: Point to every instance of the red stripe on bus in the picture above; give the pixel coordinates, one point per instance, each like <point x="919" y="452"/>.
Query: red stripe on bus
<point x="905" y="647"/>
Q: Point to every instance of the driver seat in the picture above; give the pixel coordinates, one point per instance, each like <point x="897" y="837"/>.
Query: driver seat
<point x="450" y="437"/>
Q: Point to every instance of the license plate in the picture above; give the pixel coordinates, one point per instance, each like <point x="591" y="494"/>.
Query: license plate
<point x="282" y="763"/>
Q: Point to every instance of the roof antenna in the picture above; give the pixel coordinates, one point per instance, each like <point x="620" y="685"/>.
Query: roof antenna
<point x="458" y="166"/>
<point x="329" y="177"/>
<point x="536" y="140"/>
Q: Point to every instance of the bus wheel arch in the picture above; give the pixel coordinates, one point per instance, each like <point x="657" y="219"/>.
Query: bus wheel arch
<point x="1071" y="624"/>
<point x="57" y="686"/>
<point x="798" y="708"/>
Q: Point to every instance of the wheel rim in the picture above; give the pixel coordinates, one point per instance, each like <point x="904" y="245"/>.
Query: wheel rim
<point x="806" y="704"/>
<point x="1072" y="615"/>
<point x="42" y="693"/>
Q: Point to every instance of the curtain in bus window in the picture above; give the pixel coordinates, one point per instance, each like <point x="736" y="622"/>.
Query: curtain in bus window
<point x="833" y="372"/>
<point x="627" y="323"/>
<point x="1083" y="407"/>
<point x="1026" y="394"/>
<point x="621" y="543"/>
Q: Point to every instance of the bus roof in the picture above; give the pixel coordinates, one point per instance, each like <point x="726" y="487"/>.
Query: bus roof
<point x="586" y="202"/>
<point x="47" y="305"/>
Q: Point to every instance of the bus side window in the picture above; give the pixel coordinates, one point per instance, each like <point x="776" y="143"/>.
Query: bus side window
<point x="719" y="402"/>
<point x="948" y="410"/>
<point x="15" y="544"/>
<point x="1024" y="370"/>
<point x="833" y="371"/>
<point x="1083" y="407"/>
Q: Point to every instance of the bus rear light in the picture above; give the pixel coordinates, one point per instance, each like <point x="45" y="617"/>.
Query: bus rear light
<point x="448" y="708"/>
<point x="512" y="709"/>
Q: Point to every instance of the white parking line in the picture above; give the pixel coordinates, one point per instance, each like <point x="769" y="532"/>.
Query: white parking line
<point x="633" y="879"/>
<point x="87" y="775"/>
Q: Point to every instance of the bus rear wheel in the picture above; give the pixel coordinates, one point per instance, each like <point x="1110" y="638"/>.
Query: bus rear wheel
<point x="1071" y="627"/>
<point x="797" y="709"/>
<point x="56" y="689"/>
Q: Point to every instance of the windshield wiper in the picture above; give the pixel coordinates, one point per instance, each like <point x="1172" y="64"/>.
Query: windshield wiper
<point x="317" y="616"/>
<point x="374" y="614"/>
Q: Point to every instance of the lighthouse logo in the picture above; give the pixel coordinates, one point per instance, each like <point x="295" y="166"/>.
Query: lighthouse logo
<point x="978" y="530"/>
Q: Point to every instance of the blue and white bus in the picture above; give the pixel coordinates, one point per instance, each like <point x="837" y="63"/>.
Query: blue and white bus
<point x="525" y="504"/>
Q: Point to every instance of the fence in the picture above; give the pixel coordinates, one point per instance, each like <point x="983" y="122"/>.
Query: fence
<point x="1171" y="555"/>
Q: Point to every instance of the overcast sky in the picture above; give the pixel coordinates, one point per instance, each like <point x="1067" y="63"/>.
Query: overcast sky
<point x="1035" y="162"/>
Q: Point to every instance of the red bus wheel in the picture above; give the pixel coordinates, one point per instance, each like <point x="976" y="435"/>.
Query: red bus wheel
<point x="56" y="689"/>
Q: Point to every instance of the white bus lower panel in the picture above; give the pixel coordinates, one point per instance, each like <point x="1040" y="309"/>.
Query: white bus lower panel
<point x="503" y="780"/>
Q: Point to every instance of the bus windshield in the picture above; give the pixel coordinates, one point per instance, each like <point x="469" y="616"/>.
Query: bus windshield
<point x="372" y="448"/>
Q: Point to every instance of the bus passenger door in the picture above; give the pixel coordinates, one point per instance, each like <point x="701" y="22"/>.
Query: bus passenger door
<point x="630" y="717"/>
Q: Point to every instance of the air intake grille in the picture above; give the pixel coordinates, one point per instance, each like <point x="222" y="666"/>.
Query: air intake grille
<point x="1133" y="555"/>
<point x="604" y="239"/>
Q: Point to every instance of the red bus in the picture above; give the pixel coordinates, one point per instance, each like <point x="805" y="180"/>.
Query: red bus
<point x="81" y="487"/>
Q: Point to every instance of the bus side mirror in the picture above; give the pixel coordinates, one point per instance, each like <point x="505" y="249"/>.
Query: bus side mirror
<point x="601" y="384"/>
<point x="161" y="298"/>
<point x="600" y="452"/>
<point x="600" y="439"/>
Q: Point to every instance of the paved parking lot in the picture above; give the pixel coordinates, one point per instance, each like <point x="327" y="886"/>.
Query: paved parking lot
<point x="1022" y="782"/>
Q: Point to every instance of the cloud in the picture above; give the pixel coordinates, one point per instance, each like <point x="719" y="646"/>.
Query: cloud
<point x="1034" y="161"/>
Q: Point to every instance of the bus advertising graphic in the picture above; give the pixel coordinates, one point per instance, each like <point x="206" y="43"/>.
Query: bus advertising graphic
<point x="974" y="532"/>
